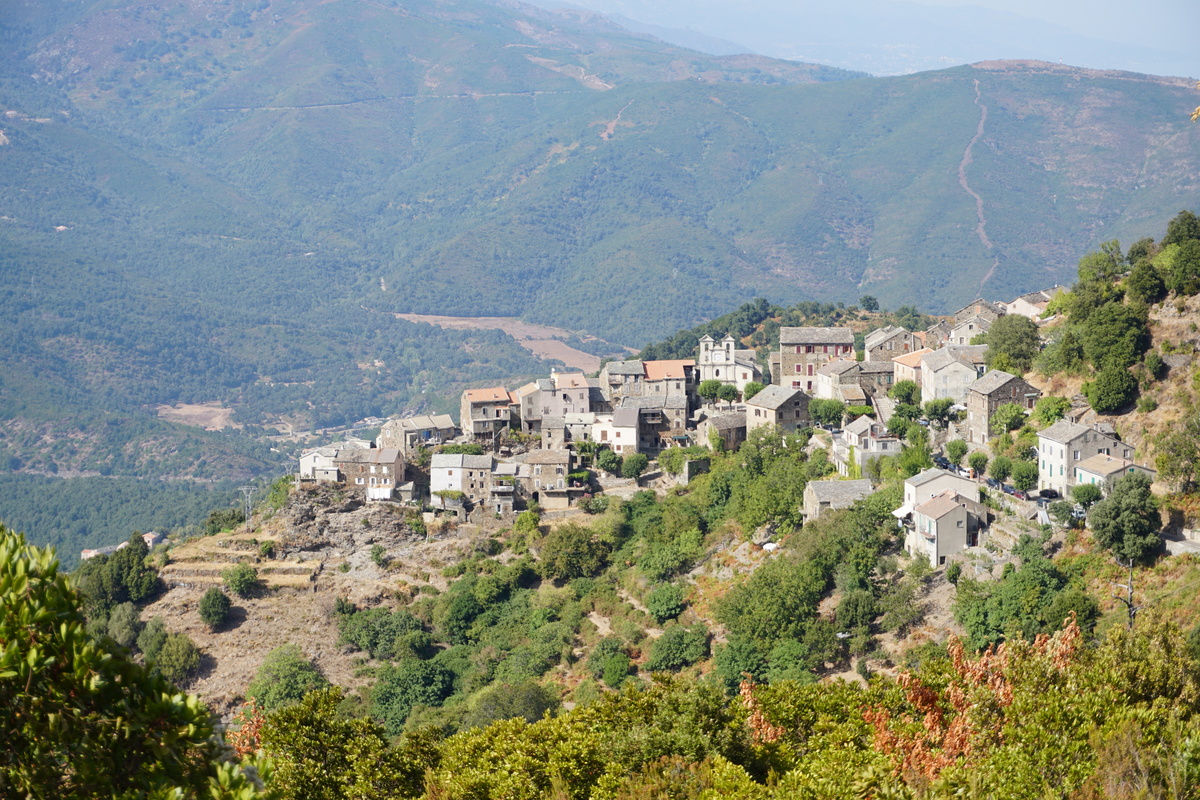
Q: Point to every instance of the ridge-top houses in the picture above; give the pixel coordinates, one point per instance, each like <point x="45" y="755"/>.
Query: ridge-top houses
<point x="802" y="351"/>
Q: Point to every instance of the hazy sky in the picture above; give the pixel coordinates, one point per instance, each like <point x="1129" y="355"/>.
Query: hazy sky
<point x="1175" y="24"/>
<point x="898" y="36"/>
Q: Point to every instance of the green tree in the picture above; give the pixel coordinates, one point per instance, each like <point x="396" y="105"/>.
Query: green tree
<point x="905" y="392"/>
<point x="1115" y="335"/>
<point x="1000" y="468"/>
<point x="868" y="303"/>
<point x="320" y="755"/>
<point x="1183" y="227"/>
<point x="408" y="684"/>
<point x="242" y="579"/>
<point x="678" y="647"/>
<point x="572" y="551"/>
<point x="709" y="390"/>
<point x="1183" y="270"/>
<point x="1086" y="495"/>
<point x="124" y="626"/>
<point x="1178" y="454"/>
<point x="283" y="678"/>
<point x="152" y="638"/>
<point x="752" y="388"/>
<point x="1113" y="389"/>
<point x="1050" y="409"/>
<point x="938" y="411"/>
<point x="826" y="412"/>
<point x="978" y="462"/>
<point x="1015" y="338"/>
<point x="1145" y="284"/>
<point x="223" y="519"/>
<point x="727" y="393"/>
<point x="178" y="659"/>
<point x="1024" y="475"/>
<point x="608" y="461"/>
<point x="633" y="465"/>
<point x="65" y="699"/>
<point x="526" y="700"/>
<point x="955" y="450"/>
<point x="1008" y="417"/>
<point x="1127" y="521"/>
<point x="214" y="608"/>
<point x="665" y="602"/>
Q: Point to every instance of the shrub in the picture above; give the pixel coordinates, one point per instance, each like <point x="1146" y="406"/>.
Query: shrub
<point x="677" y="648"/>
<point x="633" y="465"/>
<point x="152" y="638"/>
<point x="214" y="608"/>
<point x="572" y="551"/>
<point x="124" y="625"/>
<point x="954" y="572"/>
<point x="526" y="700"/>
<point x="242" y="579"/>
<point x="266" y="549"/>
<point x="379" y="556"/>
<point x="608" y="461"/>
<point x="665" y="602"/>
<point x="178" y="659"/>
<point x="284" y="678"/>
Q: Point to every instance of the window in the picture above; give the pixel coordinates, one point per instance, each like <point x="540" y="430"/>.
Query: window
<point x="810" y="369"/>
<point x="358" y="481"/>
<point x="372" y="469"/>
<point x="1075" y="455"/>
<point x="810" y="386"/>
<point x="795" y="384"/>
<point x="799" y="369"/>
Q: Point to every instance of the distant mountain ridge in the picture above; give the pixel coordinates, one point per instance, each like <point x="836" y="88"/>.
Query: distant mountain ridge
<point x="227" y="203"/>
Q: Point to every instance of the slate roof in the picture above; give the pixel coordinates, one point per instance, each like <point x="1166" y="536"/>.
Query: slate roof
<point x="816" y="336"/>
<point x="548" y="457"/>
<point x="625" y="418"/>
<point x="927" y="475"/>
<point x="837" y="367"/>
<point x="967" y="354"/>
<point x="996" y="379"/>
<point x="860" y="425"/>
<point x="882" y="335"/>
<point x="460" y="461"/>
<point x="726" y="422"/>
<point x="840" y="494"/>
<point x="426" y="422"/>
<point x="624" y="368"/>
<point x="651" y="403"/>
<point x="773" y="397"/>
<point x="1063" y="431"/>
<point x="940" y="506"/>
<point x="888" y="367"/>
<point x="1101" y="464"/>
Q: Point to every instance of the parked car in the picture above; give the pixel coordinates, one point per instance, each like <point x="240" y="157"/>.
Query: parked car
<point x="1020" y="495"/>
<point x="1050" y="494"/>
<point x="1007" y="489"/>
<point x="992" y="483"/>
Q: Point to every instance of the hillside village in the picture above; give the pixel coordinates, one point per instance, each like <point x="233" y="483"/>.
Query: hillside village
<point x="567" y="437"/>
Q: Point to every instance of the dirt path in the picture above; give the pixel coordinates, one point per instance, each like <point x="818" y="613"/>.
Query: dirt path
<point x="210" y="416"/>
<point x="968" y="157"/>
<point x="607" y="133"/>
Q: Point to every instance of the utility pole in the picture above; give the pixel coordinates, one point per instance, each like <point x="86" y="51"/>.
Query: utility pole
<point x="247" y="493"/>
<point x="1128" y="601"/>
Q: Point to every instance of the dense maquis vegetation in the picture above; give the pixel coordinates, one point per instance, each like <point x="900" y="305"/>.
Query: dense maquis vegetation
<point x="1053" y="717"/>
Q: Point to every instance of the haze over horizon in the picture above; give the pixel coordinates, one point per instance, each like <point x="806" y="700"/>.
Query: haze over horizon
<point x="895" y="37"/>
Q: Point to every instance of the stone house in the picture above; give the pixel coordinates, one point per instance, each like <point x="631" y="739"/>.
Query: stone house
<point x="929" y="484"/>
<point x="908" y="367"/>
<point x="945" y="525"/>
<point x="547" y="480"/>
<point x="320" y="463"/>
<point x="802" y="351"/>
<point x="979" y="308"/>
<point x="674" y="378"/>
<point x="410" y="433"/>
<point x="570" y="395"/>
<point x="1104" y="470"/>
<point x="776" y="405"/>
<point x="875" y="377"/>
<point x="376" y="472"/>
<point x="821" y="496"/>
<point x="968" y="329"/>
<point x="949" y="371"/>
<point x="1064" y="445"/>
<point x="936" y="334"/>
<point x="484" y="413"/>
<point x="1032" y="305"/>
<point x="986" y="395"/>
<point x="723" y="361"/>
<point x="621" y="379"/>
<point x="860" y="441"/>
<point x="730" y="429"/>
<point x="888" y="342"/>
<point x="834" y="376"/>
<point x="618" y="430"/>
<point x="662" y="421"/>
<point x="529" y="404"/>
<point x="470" y="475"/>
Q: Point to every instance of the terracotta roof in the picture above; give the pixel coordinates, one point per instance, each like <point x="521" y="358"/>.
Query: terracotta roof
<point x="569" y="380"/>
<point x="666" y="370"/>
<point x="494" y="394"/>
<point x="912" y="359"/>
<point x="816" y="336"/>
